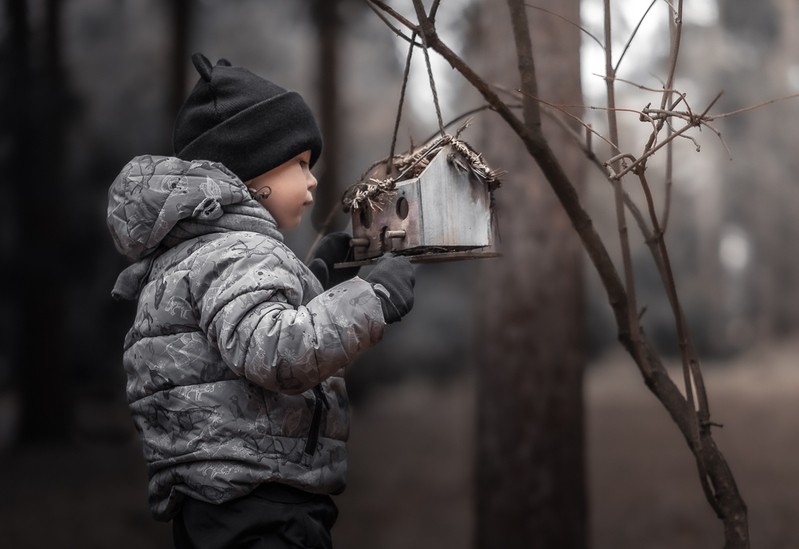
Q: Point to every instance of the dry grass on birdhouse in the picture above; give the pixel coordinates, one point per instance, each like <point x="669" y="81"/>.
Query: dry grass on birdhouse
<point x="383" y="176"/>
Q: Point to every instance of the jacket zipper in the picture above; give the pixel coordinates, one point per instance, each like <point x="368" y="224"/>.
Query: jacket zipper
<point x="320" y="401"/>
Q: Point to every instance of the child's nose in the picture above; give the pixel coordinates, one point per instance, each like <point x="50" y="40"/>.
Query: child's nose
<point x="312" y="182"/>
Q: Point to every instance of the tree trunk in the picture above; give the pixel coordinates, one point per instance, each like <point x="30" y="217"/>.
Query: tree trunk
<point x="15" y="129"/>
<point x="40" y="348"/>
<point x="327" y="213"/>
<point x="530" y="458"/>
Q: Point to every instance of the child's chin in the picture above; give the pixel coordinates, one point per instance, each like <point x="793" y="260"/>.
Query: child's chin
<point x="288" y="225"/>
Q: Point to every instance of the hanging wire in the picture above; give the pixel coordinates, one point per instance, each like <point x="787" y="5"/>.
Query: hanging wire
<point x="401" y="102"/>
<point x="405" y="78"/>
<point x="432" y="84"/>
<point x="432" y="18"/>
<point x="369" y="190"/>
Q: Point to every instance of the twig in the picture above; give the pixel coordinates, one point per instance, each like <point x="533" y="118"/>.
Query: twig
<point x="650" y="150"/>
<point x="393" y="13"/>
<point x="586" y="145"/>
<point x="676" y="34"/>
<point x="753" y="107"/>
<point x="621" y="223"/>
<point x="668" y="184"/>
<point x="570" y="22"/>
<point x="632" y="36"/>
<point x="562" y="109"/>
<point x="389" y="24"/>
<point x="639" y="86"/>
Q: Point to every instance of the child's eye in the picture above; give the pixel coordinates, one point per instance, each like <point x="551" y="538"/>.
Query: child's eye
<point x="303" y="163"/>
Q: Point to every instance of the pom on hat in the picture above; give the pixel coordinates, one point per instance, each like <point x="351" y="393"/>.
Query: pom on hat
<point x="247" y="123"/>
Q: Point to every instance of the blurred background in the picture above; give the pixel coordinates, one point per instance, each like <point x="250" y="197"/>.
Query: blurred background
<point x="85" y="85"/>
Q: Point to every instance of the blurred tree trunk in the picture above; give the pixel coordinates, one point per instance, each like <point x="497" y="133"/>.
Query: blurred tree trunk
<point x="15" y="129"/>
<point x="530" y="460"/>
<point x="39" y="256"/>
<point x="328" y="23"/>
<point x="760" y="196"/>
<point x="181" y="22"/>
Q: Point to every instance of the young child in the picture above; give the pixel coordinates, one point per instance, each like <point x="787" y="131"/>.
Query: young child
<point x="235" y="358"/>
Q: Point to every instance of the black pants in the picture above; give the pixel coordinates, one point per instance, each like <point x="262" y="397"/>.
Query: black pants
<point x="274" y="516"/>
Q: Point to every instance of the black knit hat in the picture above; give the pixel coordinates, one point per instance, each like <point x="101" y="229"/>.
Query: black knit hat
<point x="245" y="122"/>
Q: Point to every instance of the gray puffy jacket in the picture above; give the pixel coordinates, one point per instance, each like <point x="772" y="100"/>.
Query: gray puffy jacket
<point x="235" y="358"/>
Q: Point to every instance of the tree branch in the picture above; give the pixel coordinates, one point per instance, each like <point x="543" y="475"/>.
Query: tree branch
<point x="634" y="325"/>
<point x="715" y="476"/>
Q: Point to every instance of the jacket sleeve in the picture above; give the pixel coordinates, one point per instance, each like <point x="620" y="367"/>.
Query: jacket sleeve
<point x="250" y="308"/>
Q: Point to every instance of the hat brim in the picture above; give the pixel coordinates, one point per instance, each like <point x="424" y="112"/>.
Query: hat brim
<point x="260" y="138"/>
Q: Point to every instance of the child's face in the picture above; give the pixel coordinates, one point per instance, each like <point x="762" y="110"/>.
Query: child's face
<point x="291" y="184"/>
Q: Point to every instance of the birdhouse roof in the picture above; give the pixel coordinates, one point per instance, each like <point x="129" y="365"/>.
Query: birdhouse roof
<point x="377" y="180"/>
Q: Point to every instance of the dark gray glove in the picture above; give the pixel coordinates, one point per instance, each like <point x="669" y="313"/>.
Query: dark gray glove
<point x="332" y="248"/>
<point x="393" y="281"/>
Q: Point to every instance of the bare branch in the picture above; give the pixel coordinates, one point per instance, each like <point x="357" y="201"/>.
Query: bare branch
<point x="372" y="5"/>
<point x="753" y="107"/>
<point x="690" y="412"/>
<point x="640" y="86"/>
<point x="393" y="13"/>
<point x="562" y="109"/>
<point x="586" y="145"/>
<point x="676" y="39"/>
<point x="473" y="78"/>
<point x="670" y="151"/>
<point x="569" y="21"/>
<point x="633" y="323"/>
<point x="694" y="386"/>
<point x="650" y="149"/>
<point x="632" y="36"/>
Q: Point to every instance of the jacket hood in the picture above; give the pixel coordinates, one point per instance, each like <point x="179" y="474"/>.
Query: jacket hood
<point x="152" y="194"/>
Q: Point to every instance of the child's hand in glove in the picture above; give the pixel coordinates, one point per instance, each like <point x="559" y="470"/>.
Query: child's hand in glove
<point x="393" y="281"/>
<point x="332" y="248"/>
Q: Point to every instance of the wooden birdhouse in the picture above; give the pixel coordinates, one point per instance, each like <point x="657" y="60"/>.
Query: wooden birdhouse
<point x="438" y="208"/>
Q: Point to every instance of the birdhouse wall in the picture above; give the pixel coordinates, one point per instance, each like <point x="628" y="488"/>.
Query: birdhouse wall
<point x="455" y="206"/>
<point x="401" y="210"/>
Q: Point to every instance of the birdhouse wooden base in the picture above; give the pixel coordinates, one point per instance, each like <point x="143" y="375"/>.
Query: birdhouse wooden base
<point x="445" y="213"/>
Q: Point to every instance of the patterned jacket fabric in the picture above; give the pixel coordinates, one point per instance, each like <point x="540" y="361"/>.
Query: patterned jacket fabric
<point x="235" y="359"/>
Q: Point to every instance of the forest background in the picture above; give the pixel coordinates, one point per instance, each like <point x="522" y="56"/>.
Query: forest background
<point x="87" y="84"/>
